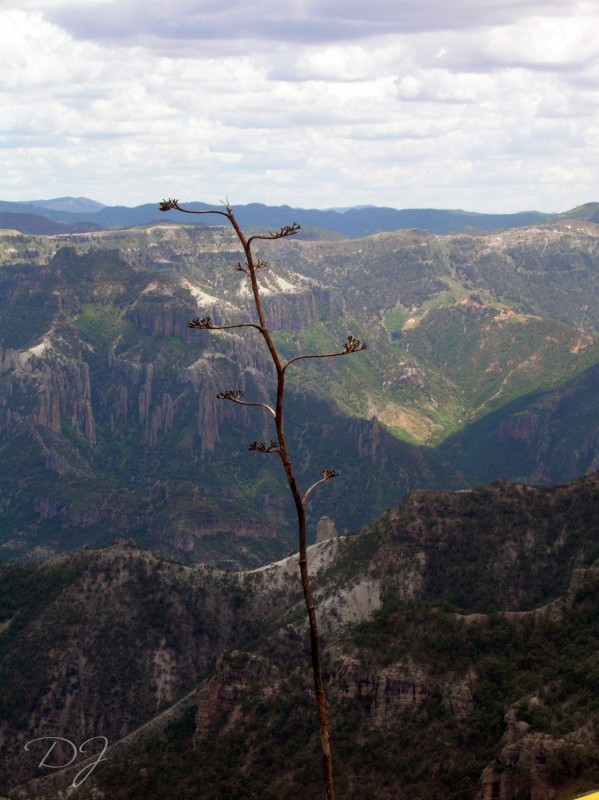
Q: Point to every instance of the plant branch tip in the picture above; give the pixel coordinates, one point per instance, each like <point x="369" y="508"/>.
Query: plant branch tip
<point x="169" y="205"/>
<point x="353" y="345"/>
<point x="282" y="233"/>
<point x="230" y="394"/>
<point x="204" y="322"/>
<point x="261" y="447"/>
<point x="289" y="230"/>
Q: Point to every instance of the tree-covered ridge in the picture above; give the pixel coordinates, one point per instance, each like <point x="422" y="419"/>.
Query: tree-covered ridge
<point x="479" y="674"/>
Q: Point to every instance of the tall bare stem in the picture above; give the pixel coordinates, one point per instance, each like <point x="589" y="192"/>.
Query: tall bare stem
<point x="279" y="446"/>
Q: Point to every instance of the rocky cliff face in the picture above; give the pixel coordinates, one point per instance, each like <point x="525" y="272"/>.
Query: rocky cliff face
<point x="55" y="388"/>
<point x="104" y="388"/>
<point x="123" y="638"/>
<point x="240" y="677"/>
<point x="105" y="420"/>
<point x="97" y="393"/>
<point x="491" y="539"/>
<point x="394" y="690"/>
<point x="534" y="765"/>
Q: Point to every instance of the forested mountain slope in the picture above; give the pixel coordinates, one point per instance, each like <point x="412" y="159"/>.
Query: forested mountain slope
<point x="460" y="658"/>
<point x="108" y="411"/>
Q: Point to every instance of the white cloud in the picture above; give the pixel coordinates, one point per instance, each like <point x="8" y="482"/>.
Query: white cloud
<point x="488" y="106"/>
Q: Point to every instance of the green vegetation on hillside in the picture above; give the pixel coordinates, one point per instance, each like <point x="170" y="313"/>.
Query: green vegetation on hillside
<point x="110" y="389"/>
<point x="466" y="673"/>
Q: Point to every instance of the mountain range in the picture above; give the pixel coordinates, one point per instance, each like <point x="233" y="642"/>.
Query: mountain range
<point x="482" y="364"/>
<point x="148" y="582"/>
<point x="69" y="214"/>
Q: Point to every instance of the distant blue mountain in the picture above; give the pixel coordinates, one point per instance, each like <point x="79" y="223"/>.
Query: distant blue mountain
<point x="74" y="205"/>
<point x="38" y="225"/>
<point x="352" y="222"/>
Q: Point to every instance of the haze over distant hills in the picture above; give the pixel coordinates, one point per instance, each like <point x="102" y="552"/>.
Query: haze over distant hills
<point x="352" y="222"/>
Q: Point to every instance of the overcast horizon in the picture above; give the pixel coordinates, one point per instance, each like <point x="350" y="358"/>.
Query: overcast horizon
<point x="488" y="106"/>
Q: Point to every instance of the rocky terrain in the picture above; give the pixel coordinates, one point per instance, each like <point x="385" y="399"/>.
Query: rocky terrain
<point x="482" y="364"/>
<point x="460" y="626"/>
<point x="460" y="631"/>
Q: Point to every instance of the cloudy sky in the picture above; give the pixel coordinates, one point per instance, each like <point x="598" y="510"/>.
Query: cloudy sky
<point x="486" y="105"/>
